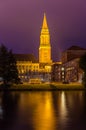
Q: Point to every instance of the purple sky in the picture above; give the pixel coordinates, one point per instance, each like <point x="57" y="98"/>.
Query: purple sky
<point x="21" y="21"/>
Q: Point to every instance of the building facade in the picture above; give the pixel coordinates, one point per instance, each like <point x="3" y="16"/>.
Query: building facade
<point x="70" y="63"/>
<point x="72" y="53"/>
<point x="56" y="72"/>
<point x="66" y="70"/>
<point x="29" y="67"/>
<point x="45" y="46"/>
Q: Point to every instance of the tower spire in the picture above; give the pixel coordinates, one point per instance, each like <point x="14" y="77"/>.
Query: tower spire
<point x="44" y="26"/>
<point x="45" y="47"/>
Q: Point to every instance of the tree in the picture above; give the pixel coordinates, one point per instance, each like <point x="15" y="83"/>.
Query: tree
<point x="8" y="68"/>
<point x="82" y="65"/>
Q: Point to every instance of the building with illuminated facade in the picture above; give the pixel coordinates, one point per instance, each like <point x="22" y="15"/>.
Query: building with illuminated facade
<point x="44" y="68"/>
<point x="28" y="66"/>
<point x="45" y="46"/>
<point x="70" y="63"/>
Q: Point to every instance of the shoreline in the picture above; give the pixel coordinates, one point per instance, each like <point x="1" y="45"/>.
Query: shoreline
<point x="44" y="87"/>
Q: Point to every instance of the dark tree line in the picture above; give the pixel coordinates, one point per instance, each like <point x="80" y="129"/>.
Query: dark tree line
<point x="8" y="68"/>
<point x="82" y="65"/>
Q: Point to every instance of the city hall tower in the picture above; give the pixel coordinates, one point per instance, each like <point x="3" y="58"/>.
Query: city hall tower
<point x="45" y="47"/>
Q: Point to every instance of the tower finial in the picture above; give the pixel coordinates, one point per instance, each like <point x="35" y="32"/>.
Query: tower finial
<point x="44" y="22"/>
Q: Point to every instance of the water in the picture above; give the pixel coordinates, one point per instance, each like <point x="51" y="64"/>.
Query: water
<point x="60" y="110"/>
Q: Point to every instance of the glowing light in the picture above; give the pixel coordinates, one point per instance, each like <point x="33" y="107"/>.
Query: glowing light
<point x="63" y="109"/>
<point x="45" y="48"/>
<point x="45" y="114"/>
<point x="45" y="26"/>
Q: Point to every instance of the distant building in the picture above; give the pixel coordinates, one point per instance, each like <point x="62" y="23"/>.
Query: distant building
<point x="45" y="46"/>
<point x="69" y="69"/>
<point x="70" y="63"/>
<point x="57" y="73"/>
<point x="27" y="64"/>
<point x="29" y="67"/>
<point x="72" y="53"/>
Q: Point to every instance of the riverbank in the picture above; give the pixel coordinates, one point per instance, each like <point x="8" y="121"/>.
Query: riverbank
<point x="45" y="87"/>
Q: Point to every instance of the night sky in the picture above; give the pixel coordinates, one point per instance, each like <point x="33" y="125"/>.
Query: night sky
<point x="21" y="21"/>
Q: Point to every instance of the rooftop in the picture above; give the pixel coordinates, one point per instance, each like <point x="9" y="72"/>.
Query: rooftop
<point x="76" y="48"/>
<point x="26" y="57"/>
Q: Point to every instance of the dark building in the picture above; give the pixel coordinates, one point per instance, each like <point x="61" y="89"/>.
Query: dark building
<point x="72" y="53"/>
<point x="70" y="62"/>
<point x="56" y="72"/>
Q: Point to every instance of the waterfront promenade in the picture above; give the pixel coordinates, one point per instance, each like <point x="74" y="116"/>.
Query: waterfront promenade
<point x="44" y="86"/>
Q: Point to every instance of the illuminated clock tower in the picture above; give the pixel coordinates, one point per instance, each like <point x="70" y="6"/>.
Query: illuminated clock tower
<point x="45" y="47"/>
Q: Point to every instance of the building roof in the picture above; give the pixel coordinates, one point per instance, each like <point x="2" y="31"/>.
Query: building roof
<point x="25" y="57"/>
<point x="76" y="48"/>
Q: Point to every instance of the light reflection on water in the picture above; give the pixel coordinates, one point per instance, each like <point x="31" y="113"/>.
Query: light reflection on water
<point x="61" y="110"/>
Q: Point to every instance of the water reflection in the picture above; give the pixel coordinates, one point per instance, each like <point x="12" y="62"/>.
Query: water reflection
<point x="40" y="108"/>
<point x="63" y="109"/>
<point x="8" y="109"/>
<point x="1" y="109"/>
<point x="44" y="116"/>
<point x="43" y="110"/>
